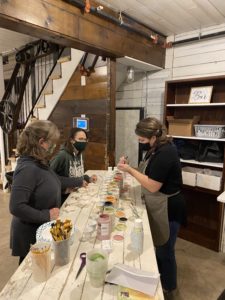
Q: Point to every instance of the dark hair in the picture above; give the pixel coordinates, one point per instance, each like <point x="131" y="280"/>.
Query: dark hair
<point x="73" y="132"/>
<point x="28" y="143"/>
<point x="150" y="127"/>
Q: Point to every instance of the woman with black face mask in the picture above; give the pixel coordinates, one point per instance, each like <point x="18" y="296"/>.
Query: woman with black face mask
<point x="69" y="161"/>
<point x="160" y="177"/>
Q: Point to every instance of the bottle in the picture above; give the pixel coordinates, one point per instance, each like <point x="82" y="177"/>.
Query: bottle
<point x="104" y="227"/>
<point x="137" y="237"/>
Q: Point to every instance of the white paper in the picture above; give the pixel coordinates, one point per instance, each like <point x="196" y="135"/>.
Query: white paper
<point x="83" y="80"/>
<point x="145" y="282"/>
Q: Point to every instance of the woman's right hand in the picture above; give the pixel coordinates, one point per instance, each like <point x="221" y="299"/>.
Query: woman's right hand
<point x="54" y="213"/>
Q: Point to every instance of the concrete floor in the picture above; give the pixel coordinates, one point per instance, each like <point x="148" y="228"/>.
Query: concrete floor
<point x="201" y="272"/>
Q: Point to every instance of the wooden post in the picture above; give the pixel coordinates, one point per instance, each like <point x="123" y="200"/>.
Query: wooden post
<point x="111" y="110"/>
<point x="2" y="147"/>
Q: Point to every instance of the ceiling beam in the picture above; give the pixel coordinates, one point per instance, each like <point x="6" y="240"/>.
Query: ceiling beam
<point x="65" y="24"/>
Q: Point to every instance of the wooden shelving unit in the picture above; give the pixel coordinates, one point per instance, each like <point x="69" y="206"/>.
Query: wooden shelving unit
<point x="196" y="105"/>
<point x="205" y="213"/>
<point x="205" y="164"/>
<point x="198" y="138"/>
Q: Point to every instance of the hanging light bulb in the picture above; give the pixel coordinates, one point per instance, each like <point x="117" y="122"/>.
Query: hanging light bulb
<point x="130" y="74"/>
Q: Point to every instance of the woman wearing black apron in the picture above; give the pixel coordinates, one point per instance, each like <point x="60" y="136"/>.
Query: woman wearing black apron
<point x="160" y="176"/>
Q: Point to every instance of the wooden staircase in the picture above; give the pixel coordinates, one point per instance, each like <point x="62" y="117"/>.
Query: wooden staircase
<point x="57" y="82"/>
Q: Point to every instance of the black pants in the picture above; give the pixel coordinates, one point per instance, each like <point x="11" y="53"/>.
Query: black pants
<point x="166" y="260"/>
<point x="21" y="259"/>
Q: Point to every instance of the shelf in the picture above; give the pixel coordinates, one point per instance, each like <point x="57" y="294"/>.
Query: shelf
<point x="195" y="105"/>
<point x="201" y="190"/>
<point x="196" y="138"/>
<point x="205" y="213"/>
<point x="208" y="164"/>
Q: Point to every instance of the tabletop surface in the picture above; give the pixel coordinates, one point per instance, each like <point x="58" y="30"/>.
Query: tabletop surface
<point x="62" y="284"/>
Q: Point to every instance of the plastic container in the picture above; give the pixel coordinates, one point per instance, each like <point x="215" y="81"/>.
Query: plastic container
<point x="104" y="227"/>
<point x="111" y="212"/>
<point x="41" y="261"/>
<point x="210" y="131"/>
<point x="97" y="265"/>
<point x="61" y="252"/>
<point x="137" y="237"/>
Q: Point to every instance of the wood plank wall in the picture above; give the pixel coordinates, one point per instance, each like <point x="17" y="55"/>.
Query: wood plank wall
<point x="96" y="101"/>
<point x="197" y="59"/>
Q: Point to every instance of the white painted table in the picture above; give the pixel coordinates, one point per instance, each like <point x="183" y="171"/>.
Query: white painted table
<point x="62" y="284"/>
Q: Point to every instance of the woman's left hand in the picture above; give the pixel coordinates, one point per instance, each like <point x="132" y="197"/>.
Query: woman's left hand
<point x="124" y="167"/>
<point x="94" y="178"/>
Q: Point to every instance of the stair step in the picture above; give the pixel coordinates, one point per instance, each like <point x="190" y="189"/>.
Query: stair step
<point x="66" y="55"/>
<point x="57" y="73"/>
<point x="55" y="76"/>
<point x="41" y="103"/>
<point x="49" y="92"/>
<point x="36" y="112"/>
<point x="64" y="59"/>
<point x="49" y="88"/>
<point x="40" y="106"/>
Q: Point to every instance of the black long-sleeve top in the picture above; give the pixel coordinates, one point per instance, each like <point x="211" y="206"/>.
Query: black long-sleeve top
<point x="35" y="190"/>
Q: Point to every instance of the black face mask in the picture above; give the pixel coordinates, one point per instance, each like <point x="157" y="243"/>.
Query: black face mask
<point x="144" y="146"/>
<point x="80" y="146"/>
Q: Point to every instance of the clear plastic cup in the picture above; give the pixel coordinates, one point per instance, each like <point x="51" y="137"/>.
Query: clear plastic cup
<point x="97" y="265"/>
<point x="41" y="261"/>
<point x="62" y="252"/>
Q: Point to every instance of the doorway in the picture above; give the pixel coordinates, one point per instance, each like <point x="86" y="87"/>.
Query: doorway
<point x="126" y="140"/>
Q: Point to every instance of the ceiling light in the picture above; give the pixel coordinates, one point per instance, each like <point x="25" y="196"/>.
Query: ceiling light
<point x="130" y="74"/>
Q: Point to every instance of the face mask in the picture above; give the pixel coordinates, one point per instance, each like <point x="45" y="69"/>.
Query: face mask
<point x="80" y="146"/>
<point x="144" y="146"/>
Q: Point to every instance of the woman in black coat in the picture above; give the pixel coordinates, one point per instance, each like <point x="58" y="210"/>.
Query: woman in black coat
<point x="36" y="189"/>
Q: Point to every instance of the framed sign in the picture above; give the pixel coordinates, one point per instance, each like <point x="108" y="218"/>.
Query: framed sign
<point x="200" y="94"/>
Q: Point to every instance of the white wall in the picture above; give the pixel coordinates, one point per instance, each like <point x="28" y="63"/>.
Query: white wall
<point x="196" y="59"/>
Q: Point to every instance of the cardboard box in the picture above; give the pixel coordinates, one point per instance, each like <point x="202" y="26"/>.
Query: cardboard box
<point x="182" y="127"/>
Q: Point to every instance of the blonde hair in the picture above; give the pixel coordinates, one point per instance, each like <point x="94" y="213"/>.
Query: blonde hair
<point x="152" y="127"/>
<point x="28" y="143"/>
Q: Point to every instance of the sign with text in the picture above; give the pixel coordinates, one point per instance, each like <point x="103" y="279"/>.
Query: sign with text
<point x="200" y="94"/>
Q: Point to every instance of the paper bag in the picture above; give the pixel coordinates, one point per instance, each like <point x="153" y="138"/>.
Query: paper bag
<point x="145" y="282"/>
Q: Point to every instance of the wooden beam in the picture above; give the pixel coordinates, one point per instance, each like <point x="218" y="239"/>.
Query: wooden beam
<point x="62" y="23"/>
<point x="111" y="112"/>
